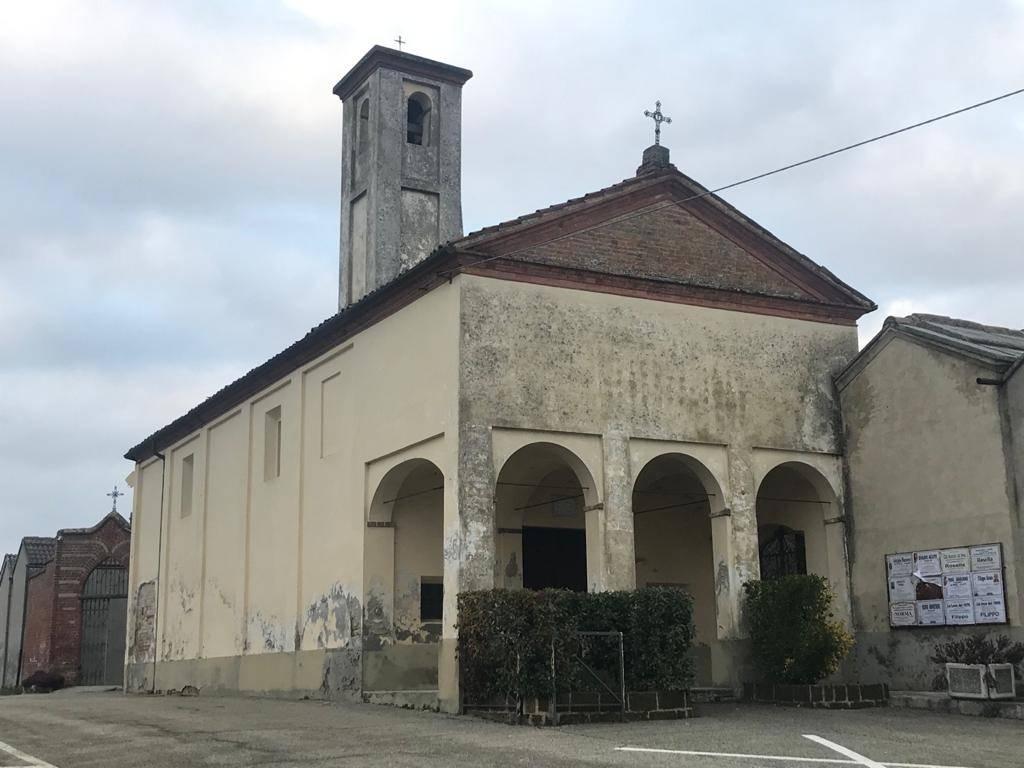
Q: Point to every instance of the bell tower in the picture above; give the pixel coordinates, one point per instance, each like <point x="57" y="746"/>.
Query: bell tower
<point x="401" y="173"/>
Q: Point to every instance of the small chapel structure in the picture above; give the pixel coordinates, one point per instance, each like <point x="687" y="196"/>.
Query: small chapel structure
<point x="635" y="386"/>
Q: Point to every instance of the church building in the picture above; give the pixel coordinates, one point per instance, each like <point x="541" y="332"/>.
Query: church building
<point x="633" y="387"/>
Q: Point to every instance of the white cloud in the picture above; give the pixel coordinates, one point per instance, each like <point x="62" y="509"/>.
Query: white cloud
<point x="170" y="186"/>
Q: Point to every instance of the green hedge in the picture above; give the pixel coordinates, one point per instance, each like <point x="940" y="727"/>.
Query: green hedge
<point x="505" y="640"/>
<point x="794" y="636"/>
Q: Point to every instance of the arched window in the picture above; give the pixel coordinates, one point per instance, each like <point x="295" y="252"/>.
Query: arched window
<point x="417" y="124"/>
<point x="783" y="552"/>
<point x="363" y="125"/>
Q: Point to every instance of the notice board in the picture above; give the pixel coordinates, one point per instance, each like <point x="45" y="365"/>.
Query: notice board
<point x="947" y="587"/>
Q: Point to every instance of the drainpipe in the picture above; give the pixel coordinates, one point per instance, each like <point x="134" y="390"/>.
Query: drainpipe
<point x="159" y="555"/>
<point x="1007" y="428"/>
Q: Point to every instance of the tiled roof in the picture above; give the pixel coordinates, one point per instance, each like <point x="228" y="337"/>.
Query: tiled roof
<point x="330" y="331"/>
<point x="469" y="240"/>
<point x="694" y="190"/>
<point x="115" y="516"/>
<point x="39" y="549"/>
<point x="999" y="347"/>
<point x="319" y="339"/>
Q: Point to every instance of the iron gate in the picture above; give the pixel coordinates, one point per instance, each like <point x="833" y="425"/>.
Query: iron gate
<point x="104" y="612"/>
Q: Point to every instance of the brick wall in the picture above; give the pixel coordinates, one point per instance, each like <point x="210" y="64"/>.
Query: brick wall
<point x="36" y="647"/>
<point x="77" y="554"/>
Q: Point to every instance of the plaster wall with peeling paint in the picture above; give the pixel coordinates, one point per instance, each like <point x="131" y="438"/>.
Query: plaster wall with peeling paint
<point x="247" y="567"/>
<point x="927" y="470"/>
<point x="576" y="367"/>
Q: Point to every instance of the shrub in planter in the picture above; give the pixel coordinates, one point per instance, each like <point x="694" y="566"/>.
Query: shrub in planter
<point x="506" y="639"/>
<point x="980" y="667"/>
<point x="43" y="682"/>
<point x="794" y="636"/>
<point x="979" y="649"/>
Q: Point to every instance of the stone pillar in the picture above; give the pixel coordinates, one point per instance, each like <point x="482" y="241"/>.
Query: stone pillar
<point x="469" y="545"/>
<point x="618" y="569"/>
<point x="734" y="539"/>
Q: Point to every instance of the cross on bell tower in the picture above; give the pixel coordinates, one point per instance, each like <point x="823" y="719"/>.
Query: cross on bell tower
<point x="658" y="119"/>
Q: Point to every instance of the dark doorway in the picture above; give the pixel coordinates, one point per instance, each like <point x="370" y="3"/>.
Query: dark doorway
<point x="555" y="558"/>
<point x="104" y="609"/>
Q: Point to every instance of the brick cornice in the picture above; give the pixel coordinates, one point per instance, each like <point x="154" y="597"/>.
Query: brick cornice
<point x="656" y="290"/>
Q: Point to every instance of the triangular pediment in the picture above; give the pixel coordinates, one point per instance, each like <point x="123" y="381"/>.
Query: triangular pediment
<point x="664" y="229"/>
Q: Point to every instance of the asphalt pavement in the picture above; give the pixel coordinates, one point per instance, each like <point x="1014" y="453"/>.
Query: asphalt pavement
<point x="108" y="729"/>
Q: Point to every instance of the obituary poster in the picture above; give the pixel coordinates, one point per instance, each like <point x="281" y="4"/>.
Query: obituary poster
<point x="901" y="589"/>
<point x="960" y="611"/>
<point x="928" y="563"/>
<point x="930" y="612"/>
<point x="903" y="614"/>
<point x="955" y="586"/>
<point x="989" y="610"/>
<point x="957" y="560"/>
<point x="987" y="584"/>
<point x="900" y="564"/>
<point x="987" y="557"/>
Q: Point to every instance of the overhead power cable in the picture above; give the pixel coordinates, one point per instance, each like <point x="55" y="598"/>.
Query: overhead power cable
<point x="766" y="174"/>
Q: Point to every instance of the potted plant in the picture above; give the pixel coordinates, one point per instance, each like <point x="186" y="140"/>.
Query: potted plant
<point x="980" y="667"/>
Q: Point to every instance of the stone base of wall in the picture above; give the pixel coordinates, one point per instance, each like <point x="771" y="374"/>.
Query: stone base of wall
<point x="403" y="699"/>
<point x="901" y="656"/>
<point x="324" y="674"/>
<point x="589" y="708"/>
<point x="942" y="702"/>
<point x="822" y="695"/>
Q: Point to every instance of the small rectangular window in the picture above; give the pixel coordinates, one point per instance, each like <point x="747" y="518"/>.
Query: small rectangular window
<point x="187" y="472"/>
<point x="431" y="598"/>
<point x="272" y="444"/>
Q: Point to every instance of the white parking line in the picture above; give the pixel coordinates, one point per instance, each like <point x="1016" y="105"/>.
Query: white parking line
<point x="857" y="758"/>
<point x="33" y="761"/>
<point x="785" y="758"/>
<point x="692" y="753"/>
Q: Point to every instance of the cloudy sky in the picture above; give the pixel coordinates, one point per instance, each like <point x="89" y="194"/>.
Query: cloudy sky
<point x="170" y="174"/>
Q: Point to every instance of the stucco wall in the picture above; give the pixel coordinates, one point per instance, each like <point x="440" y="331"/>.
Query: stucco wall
<point x="19" y="585"/>
<point x="742" y="391"/>
<point x="551" y="358"/>
<point x="927" y="470"/>
<point x="6" y="577"/>
<point x="269" y="563"/>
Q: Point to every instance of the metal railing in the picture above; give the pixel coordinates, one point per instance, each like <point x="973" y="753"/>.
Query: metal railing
<point x="619" y="697"/>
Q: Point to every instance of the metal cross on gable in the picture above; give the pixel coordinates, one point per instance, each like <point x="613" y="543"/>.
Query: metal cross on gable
<point x="115" y="495"/>
<point x="658" y="119"/>
<point x="400" y="42"/>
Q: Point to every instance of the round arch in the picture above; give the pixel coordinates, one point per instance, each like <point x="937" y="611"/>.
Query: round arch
<point x="389" y="489"/>
<point x="674" y="497"/>
<point x="708" y="481"/>
<point x="546" y="502"/>
<point x="403" y="569"/>
<point x="793" y="502"/>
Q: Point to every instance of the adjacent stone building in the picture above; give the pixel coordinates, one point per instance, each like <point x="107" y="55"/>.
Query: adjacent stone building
<point x="33" y="555"/>
<point x="934" y="431"/>
<point x="65" y="607"/>
<point x="631" y="387"/>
